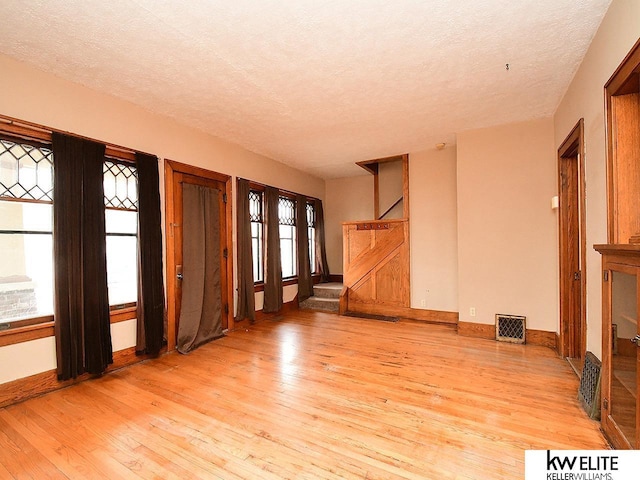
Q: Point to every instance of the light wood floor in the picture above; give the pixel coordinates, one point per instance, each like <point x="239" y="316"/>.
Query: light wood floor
<point x="312" y="395"/>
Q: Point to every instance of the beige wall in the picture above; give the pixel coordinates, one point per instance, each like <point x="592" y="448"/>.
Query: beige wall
<point x="347" y="199"/>
<point x="617" y="34"/>
<point x="433" y="223"/>
<point x="390" y="189"/>
<point x="507" y="232"/>
<point x="34" y="96"/>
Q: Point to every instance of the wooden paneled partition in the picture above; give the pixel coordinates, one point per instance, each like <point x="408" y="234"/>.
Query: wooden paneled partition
<point x="376" y="265"/>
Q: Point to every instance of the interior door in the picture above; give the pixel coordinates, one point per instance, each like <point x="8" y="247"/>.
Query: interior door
<point x="177" y="175"/>
<point x="180" y="234"/>
<point x="572" y="248"/>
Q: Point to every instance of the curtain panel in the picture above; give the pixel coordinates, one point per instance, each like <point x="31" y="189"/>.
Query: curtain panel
<point x="305" y="282"/>
<point x="322" y="267"/>
<point x="246" y="292"/>
<point x="82" y="323"/>
<point x="273" y="267"/>
<point x="201" y="309"/>
<point x="150" y="315"/>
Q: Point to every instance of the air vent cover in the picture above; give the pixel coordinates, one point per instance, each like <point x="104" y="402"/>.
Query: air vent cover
<point x="589" y="391"/>
<point x="510" y="328"/>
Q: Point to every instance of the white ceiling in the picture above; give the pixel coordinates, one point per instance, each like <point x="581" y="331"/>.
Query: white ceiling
<point x="317" y="84"/>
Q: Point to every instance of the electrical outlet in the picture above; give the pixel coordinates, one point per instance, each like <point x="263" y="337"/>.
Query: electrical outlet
<point x="472" y="311"/>
<point x="423" y="303"/>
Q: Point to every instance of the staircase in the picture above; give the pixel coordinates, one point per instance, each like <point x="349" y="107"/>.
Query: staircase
<point x="326" y="298"/>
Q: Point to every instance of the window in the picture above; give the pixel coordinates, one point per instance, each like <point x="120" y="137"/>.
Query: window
<point x="287" y="220"/>
<point x="121" y="223"/>
<point x="26" y="242"/>
<point x="287" y="231"/>
<point x="311" y="233"/>
<point x="257" y="232"/>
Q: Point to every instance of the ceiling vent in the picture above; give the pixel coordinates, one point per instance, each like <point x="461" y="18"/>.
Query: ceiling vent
<point x="510" y="328"/>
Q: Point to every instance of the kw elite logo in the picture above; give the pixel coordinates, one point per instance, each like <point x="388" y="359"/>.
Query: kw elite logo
<point x="581" y="467"/>
<point x="581" y="464"/>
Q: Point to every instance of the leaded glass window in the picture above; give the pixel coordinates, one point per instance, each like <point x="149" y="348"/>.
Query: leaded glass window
<point x="257" y="233"/>
<point x="26" y="240"/>
<point x="287" y="220"/>
<point x="121" y="222"/>
<point x="311" y="233"/>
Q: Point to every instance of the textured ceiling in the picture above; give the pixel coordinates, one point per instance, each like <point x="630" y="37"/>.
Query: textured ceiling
<point x="315" y="84"/>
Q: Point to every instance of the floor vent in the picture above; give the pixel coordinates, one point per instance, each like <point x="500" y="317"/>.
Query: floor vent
<point x="510" y="328"/>
<point x="589" y="391"/>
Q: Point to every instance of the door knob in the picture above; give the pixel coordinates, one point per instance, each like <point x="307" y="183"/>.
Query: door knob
<point x="179" y="276"/>
<point x="636" y="340"/>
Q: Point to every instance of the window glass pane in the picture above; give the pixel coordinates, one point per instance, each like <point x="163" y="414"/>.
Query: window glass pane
<point x="122" y="269"/>
<point x="26" y="269"/>
<point x="25" y="216"/>
<point x="256" y="245"/>
<point x="122" y="256"/>
<point x="311" y="233"/>
<point x="121" y="221"/>
<point x="287" y="250"/>
<point x="312" y="248"/>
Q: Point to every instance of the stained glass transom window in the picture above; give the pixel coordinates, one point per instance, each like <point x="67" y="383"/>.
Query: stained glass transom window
<point x="120" y="186"/>
<point x="287" y="211"/>
<point x="26" y="172"/>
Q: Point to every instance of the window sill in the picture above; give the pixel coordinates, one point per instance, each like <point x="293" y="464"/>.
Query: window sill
<point x="26" y="333"/>
<point x="123" y="314"/>
<point x="44" y="329"/>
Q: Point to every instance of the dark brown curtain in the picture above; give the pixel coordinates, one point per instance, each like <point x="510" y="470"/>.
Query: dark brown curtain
<point x="305" y="282"/>
<point x="150" y="315"/>
<point x="201" y="308"/>
<point x="82" y="328"/>
<point x="322" y="267"/>
<point x="273" y="267"/>
<point x="246" y="293"/>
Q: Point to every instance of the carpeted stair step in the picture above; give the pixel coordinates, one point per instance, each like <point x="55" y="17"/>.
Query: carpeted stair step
<point x="327" y="290"/>
<point x="321" y="303"/>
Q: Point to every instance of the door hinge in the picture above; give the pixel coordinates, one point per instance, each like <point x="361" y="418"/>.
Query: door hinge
<point x="225" y="253"/>
<point x="605" y="404"/>
<point x="226" y="308"/>
<point x="224" y="197"/>
<point x="606" y="275"/>
<point x="577" y="275"/>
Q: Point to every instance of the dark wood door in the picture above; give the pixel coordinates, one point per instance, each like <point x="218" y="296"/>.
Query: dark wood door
<point x="572" y="247"/>
<point x="176" y="175"/>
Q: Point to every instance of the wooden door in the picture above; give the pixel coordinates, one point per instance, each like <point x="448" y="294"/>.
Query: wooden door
<point x="180" y="179"/>
<point x="176" y="176"/>
<point x="572" y="253"/>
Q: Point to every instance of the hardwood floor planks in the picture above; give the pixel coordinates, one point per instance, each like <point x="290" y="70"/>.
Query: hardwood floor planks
<point x="309" y="395"/>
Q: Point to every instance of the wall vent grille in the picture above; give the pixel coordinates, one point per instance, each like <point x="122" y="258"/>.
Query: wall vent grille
<point x="589" y="391"/>
<point x="510" y="328"/>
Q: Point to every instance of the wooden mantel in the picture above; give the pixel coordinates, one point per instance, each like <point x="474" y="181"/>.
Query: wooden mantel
<point x="613" y="250"/>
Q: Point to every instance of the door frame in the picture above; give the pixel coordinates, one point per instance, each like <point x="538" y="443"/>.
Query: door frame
<point x="171" y="168"/>
<point x="573" y="326"/>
